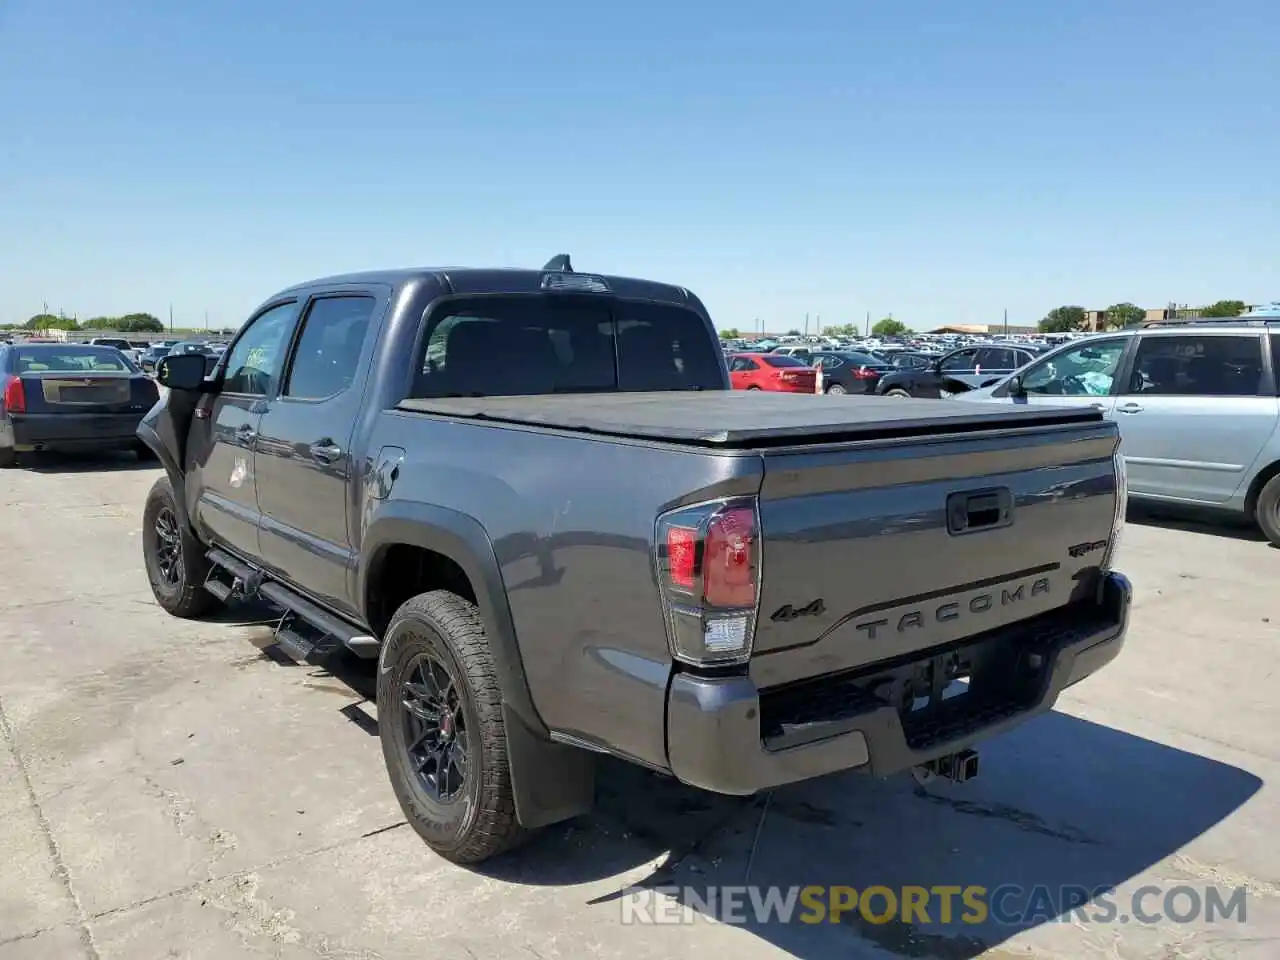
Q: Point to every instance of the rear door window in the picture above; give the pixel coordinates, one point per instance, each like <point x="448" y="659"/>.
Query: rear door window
<point x="994" y="358"/>
<point x="519" y="346"/>
<point x="325" y="359"/>
<point x="1198" y="366"/>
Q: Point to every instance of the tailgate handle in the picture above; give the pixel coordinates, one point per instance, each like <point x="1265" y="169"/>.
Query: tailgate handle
<point x="972" y="511"/>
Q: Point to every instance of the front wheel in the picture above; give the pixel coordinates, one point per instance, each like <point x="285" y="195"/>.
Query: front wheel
<point x="175" y="561"/>
<point x="753" y="388"/>
<point x="1266" y="512"/>
<point x="442" y="729"/>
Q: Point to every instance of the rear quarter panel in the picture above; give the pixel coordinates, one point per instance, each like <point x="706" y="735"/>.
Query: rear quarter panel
<point x="571" y="520"/>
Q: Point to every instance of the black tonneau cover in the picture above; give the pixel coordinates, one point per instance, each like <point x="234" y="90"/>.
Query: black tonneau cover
<point x="740" y="418"/>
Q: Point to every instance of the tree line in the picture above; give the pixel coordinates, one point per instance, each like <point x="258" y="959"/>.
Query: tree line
<point x="1069" y="319"/>
<point x="887" y="327"/>
<point x="129" y="323"/>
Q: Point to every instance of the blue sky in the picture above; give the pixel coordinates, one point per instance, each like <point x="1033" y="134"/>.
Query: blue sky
<point x="937" y="160"/>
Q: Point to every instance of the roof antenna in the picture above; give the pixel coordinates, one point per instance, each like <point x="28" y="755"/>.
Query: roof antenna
<point x="559" y="262"/>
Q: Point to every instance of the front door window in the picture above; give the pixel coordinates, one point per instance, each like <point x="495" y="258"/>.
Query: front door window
<point x="1088" y="370"/>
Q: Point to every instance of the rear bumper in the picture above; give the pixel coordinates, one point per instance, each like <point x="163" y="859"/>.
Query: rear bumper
<point x="70" y="431"/>
<point x="727" y="736"/>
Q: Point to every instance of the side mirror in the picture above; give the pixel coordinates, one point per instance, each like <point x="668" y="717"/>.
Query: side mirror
<point x="182" y="371"/>
<point x="1016" y="387"/>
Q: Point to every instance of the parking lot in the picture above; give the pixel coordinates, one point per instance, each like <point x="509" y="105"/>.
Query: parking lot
<point x="169" y="789"/>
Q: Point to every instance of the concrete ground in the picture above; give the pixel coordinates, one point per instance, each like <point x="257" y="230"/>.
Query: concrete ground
<point x="167" y="790"/>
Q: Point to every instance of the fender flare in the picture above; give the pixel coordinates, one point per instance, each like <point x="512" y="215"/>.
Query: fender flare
<point x="463" y="540"/>
<point x="177" y="479"/>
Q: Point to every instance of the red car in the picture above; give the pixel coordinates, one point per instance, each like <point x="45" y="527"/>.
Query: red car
<point x="771" y="371"/>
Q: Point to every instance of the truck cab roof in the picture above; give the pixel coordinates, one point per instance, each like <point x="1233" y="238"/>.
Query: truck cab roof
<point x="504" y="280"/>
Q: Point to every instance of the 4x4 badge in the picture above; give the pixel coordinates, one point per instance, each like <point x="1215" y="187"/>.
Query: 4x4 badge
<point x="787" y="612"/>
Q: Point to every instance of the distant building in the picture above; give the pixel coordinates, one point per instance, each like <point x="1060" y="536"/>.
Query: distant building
<point x="984" y="329"/>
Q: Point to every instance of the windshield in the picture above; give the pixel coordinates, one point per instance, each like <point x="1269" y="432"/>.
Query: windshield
<point x="517" y="346"/>
<point x="73" y="360"/>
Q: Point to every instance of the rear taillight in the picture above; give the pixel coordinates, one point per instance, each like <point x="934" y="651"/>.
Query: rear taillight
<point x="1121" y="508"/>
<point x="15" y="398"/>
<point x="708" y="560"/>
<point x="862" y="373"/>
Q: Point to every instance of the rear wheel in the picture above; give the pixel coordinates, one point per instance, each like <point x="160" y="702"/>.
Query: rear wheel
<point x="753" y="388"/>
<point x="8" y="457"/>
<point x="1266" y="512"/>
<point x="143" y="452"/>
<point x="442" y="729"/>
<point x="897" y="392"/>
<point x="175" y="561"/>
<point x="836" y="389"/>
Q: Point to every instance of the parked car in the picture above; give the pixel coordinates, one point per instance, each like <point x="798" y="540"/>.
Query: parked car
<point x="118" y="342"/>
<point x="1196" y="404"/>
<point x="957" y="371"/>
<point x="198" y="348"/>
<point x="801" y="351"/>
<point x="771" y="371"/>
<point x="846" y="371"/>
<point x="533" y="498"/>
<point x="151" y="356"/>
<point x="57" y="396"/>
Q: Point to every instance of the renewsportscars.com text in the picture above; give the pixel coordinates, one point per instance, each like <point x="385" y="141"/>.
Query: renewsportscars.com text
<point x="939" y="904"/>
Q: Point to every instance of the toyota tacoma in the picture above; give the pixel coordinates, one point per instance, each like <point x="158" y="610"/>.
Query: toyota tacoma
<point x="531" y="496"/>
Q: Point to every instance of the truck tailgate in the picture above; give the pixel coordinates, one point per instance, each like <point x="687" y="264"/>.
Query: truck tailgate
<point x="877" y="549"/>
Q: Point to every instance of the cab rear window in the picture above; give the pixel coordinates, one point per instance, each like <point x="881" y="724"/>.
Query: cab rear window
<point x="516" y="346"/>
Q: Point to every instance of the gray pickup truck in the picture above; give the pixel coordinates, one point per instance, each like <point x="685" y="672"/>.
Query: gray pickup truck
<point x="533" y="498"/>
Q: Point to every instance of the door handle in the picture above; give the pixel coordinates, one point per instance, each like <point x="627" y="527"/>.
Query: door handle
<point x="326" y="451"/>
<point x="1129" y="408"/>
<point x="1097" y="406"/>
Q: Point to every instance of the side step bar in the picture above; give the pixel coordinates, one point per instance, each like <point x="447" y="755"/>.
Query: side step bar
<point x="320" y="624"/>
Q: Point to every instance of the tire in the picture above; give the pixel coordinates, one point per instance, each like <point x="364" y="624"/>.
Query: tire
<point x="144" y="453"/>
<point x="837" y="389"/>
<point x="177" y="577"/>
<point x="8" y="457"/>
<point x="753" y="388"/>
<point x="1266" y="511"/>
<point x="468" y="819"/>
<point x="897" y="392"/>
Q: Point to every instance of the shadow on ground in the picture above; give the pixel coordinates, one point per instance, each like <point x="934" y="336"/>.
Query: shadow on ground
<point x="109" y="462"/>
<point x="1064" y="808"/>
<point x="1191" y="520"/>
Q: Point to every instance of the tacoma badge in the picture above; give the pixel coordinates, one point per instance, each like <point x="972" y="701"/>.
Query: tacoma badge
<point x="978" y="605"/>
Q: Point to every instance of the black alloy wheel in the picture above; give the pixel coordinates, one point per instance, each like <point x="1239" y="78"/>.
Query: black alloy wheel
<point x="168" y="547"/>
<point x="435" y="728"/>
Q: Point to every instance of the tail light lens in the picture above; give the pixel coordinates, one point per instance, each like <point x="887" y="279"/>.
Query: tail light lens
<point x="15" y="397"/>
<point x="862" y="373"/>
<point x="1122" y="507"/>
<point x="708" y="564"/>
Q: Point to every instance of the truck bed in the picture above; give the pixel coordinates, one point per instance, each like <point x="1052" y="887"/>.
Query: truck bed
<point x="729" y="419"/>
